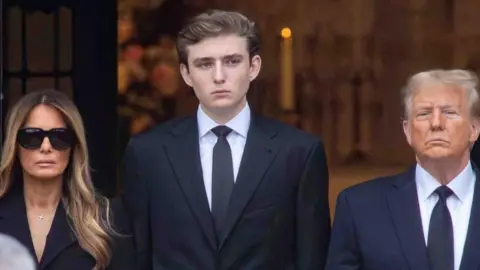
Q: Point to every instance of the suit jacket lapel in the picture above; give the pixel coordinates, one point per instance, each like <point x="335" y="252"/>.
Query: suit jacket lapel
<point x="258" y="155"/>
<point x="184" y="156"/>
<point x="403" y="204"/>
<point x="471" y="251"/>
<point x="14" y="222"/>
<point x="59" y="238"/>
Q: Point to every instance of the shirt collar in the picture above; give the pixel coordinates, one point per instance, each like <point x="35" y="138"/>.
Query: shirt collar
<point x="461" y="185"/>
<point x="240" y="123"/>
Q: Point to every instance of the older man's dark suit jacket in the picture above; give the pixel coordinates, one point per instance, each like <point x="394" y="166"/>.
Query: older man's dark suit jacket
<point x="278" y="217"/>
<point x="378" y="226"/>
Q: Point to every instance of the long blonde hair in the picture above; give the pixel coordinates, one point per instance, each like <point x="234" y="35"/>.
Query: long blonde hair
<point x="89" y="220"/>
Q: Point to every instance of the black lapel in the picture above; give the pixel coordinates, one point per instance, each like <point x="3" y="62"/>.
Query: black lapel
<point x="403" y="203"/>
<point x="258" y="155"/>
<point x="471" y="250"/>
<point x="184" y="155"/>
<point x="13" y="218"/>
<point x="59" y="238"/>
<point x="14" y="222"/>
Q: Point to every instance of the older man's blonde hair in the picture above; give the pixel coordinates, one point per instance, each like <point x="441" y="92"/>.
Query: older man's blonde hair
<point x="462" y="79"/>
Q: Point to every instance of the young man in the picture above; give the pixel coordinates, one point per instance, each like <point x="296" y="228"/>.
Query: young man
<point x="225" y="188"/>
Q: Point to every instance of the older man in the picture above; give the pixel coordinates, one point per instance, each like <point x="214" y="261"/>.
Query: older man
<point x="429" y="216"/>
<point x="13" y="255"/>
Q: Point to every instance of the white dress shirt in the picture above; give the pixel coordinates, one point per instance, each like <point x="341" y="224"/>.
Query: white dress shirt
<point x="459" y="204"/>
<point x="237" y="139"/>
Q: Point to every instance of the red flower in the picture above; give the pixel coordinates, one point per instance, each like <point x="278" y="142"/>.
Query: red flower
<point x="133" y="53"/>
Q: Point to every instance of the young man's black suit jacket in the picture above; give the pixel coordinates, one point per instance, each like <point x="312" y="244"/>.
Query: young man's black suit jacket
<point x="278" y="217"/>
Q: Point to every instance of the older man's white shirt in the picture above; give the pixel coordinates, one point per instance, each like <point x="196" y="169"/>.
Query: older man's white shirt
<point x="459" y="204"/>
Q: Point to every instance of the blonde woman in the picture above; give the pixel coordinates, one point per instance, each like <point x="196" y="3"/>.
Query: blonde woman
<point x="47" y="199"/>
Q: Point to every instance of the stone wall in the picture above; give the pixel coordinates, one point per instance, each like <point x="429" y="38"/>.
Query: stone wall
<point x="374" y="43"/>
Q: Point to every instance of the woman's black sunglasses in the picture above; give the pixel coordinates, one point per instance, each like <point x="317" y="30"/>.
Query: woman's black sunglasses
<point x="32" y="138"/>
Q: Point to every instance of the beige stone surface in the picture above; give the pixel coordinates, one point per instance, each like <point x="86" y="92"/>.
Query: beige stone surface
<point x="390" y="40"/>
<point x="381" y="41"/>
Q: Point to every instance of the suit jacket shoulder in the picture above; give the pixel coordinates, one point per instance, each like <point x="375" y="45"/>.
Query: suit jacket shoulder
<point x="286" y="134"/>
<point x="170" y="125"/>
<point x="289" y="133"/>
<point x="373" y="191"/>
<point x="158" y="134"/>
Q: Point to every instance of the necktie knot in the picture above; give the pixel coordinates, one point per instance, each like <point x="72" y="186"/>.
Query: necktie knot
<point x="443" y="193"/>
<point x="221" y="131"/>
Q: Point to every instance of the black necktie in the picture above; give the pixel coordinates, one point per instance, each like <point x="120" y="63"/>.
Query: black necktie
<point x="222" y="176"/>
<point x="440" y="233"/>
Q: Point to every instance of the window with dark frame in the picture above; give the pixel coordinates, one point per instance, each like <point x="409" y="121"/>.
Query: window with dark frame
<point x="37" y="50"/>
